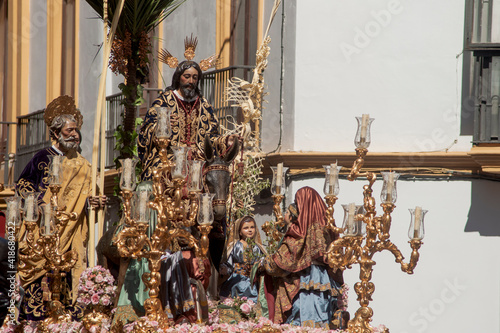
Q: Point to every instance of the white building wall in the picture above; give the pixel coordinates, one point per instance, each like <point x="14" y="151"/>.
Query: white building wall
<point x="398" y="60"/>
<point x="401" y="62"/>
<point x="38" y="59"/>
<point x="407" y="75"/>
<point x="192" y="17"/>
<point x="90" y="66"/>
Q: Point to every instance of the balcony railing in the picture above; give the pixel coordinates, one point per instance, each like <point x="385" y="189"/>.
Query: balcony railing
<point x="214" y="86"/>
<point x="114" y="110"/>
<point x="7" y="157"/>
<point x="32" y="136"/>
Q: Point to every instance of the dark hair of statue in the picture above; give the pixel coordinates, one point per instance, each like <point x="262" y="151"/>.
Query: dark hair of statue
<point x="181" y="68"/>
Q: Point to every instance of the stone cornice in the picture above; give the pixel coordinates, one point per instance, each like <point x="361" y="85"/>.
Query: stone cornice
<point x="478" y="161"/>
<point x="474" y="162"/>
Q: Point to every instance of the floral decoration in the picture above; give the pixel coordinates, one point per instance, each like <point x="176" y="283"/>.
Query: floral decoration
<point x="241" y="307"/>
<point x="96" y="287"/>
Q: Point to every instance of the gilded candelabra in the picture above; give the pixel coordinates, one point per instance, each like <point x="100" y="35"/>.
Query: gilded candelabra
<point x="46" y="245"/>
<point x="363" y="233"/>
<point x="357" y="246"/>
<point x="175" y="215"/>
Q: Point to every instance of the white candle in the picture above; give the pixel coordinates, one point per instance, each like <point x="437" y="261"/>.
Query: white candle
<point x="179" y="163"/>
<point x="364" y="127"/>
<point x="127" y="171"/>
<point x="195" y="176"/>
<point x="163" y="124"/>
<point x="12" y="209"/>
<point x="206" y="210"/>
<point x="48" y="216"/>
<point x="418" y="221"/>
<point x="143" y="201"/>
<point x="350" y="219"/>
<point x="30" y="208"/>
<point x="334" y="173"/>
<point x="279" y="177"/>
<point x="390" y="186"/>
<point x="55" y="166"/>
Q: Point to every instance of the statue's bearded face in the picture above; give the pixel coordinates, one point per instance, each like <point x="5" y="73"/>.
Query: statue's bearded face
<point x="68" y="137"/>
<point x="189" y="82"/>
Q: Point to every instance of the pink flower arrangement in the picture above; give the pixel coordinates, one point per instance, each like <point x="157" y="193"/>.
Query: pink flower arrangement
<point x="244" y="306"/>
<point x="96" y="287"/>
<point x="71" y="327"/>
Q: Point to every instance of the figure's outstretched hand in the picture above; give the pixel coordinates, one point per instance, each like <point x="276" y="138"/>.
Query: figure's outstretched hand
<point x="223" y="270"/>
<point x="233" y="138"/>
<point x="98" y="201"/>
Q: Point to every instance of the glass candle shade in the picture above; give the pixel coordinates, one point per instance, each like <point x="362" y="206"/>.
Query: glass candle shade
<point x="163" y="127"/>
<point x="195" y="175"/>
<point x="205" y="210"/>
<point x="180" y="167"/>
<point x="331" y="186"/>
<point x="30" y="209"/>
<point x="363" y="138"/>
<point x="13" y="217"/>
<point x="140" y="206"/>
<point x="56" y="169"/>
<point x="351" y="226"/>
<point x="128" y="177"/>
<point x="278" y="183"/>
<point x="47" y="225"/>
<point x="416" y="230"/>
<point x="389" y="193"/>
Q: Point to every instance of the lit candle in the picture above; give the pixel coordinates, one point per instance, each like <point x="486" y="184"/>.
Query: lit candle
<point x="279" y="179"/>
<point x="364" y="127"/>
<point x="30" y="208"/>
<point x="390" y="186"/>
<point x="418" y="221"/>
<point x="334" y="173"/>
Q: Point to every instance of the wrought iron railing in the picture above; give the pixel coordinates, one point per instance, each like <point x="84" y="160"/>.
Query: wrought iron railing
<point x="214" y="86"/>
<point x="114" y="110"/>
<point x="7" y="156"/>
<point x="32" y="136"/>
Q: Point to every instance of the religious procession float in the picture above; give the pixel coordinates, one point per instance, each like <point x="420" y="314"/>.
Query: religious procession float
<point x="190" y="255"/>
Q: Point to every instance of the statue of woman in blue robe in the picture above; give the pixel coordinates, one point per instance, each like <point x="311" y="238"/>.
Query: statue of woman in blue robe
<point x="245" y="248"/>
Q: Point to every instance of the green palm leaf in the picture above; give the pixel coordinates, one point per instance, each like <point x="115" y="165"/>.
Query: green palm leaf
<point x="138" y="15"/>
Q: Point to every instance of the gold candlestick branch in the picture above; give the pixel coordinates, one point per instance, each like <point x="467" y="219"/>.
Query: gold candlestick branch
<point x="365" y="233"/>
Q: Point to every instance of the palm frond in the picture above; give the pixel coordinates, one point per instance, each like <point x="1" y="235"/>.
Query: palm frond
<point x="138" y="15"/>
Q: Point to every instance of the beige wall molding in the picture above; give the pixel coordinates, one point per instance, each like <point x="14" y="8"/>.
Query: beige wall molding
<point x="436" y="163"/>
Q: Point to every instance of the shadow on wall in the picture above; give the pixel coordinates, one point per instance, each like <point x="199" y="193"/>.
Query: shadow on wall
<point x="484" y="213"/>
